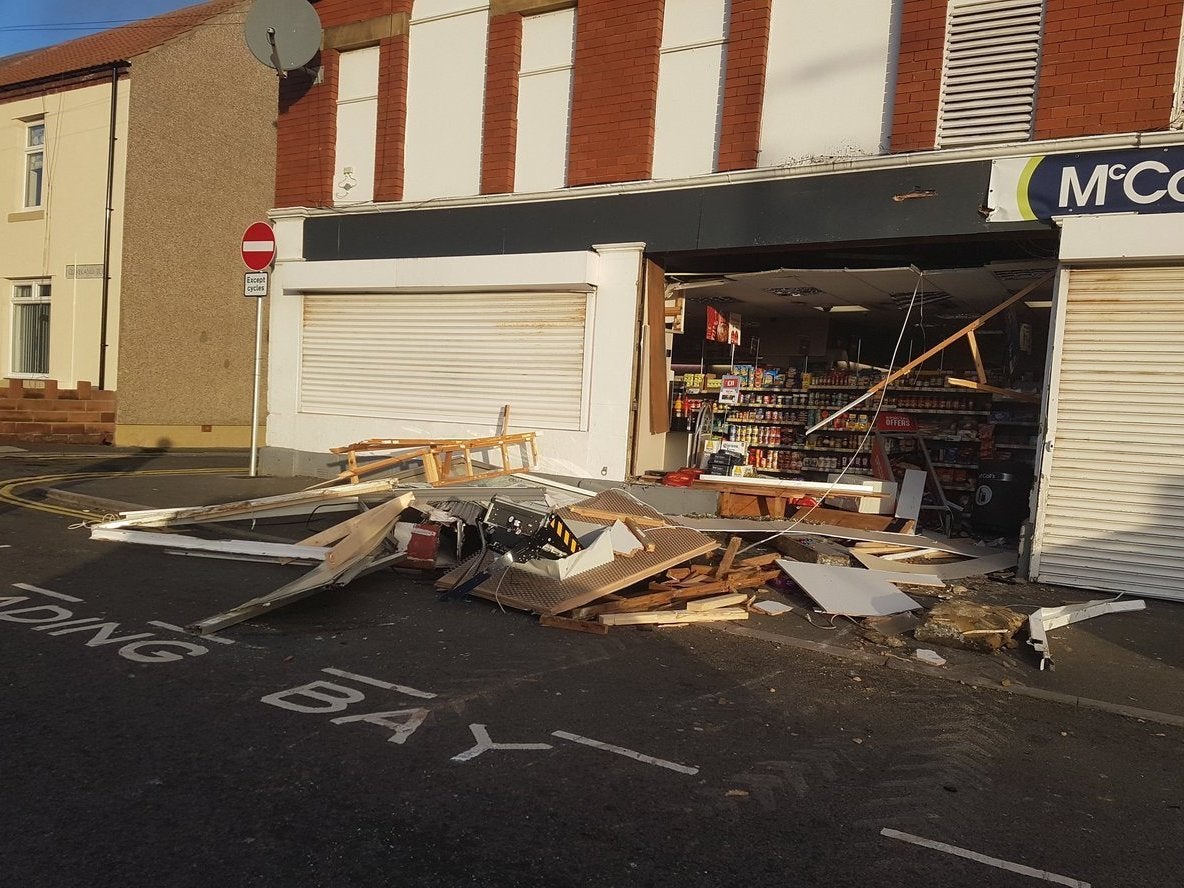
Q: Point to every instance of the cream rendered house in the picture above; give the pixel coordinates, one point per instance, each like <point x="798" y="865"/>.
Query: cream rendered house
<point x="131" y="161"/>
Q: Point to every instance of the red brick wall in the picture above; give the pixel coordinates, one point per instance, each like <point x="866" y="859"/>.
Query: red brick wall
<point x="615" y="91"/>
<point x="82" y="415"/>
<point x="306" y="137"/>
<point x="744" y="84"/>
<point x="392" y="117"/>
<point x="1108" y="66"/>
<point x="500" y="130"/>
<point x="918" y="78"/>
<point x="307" y="121"/>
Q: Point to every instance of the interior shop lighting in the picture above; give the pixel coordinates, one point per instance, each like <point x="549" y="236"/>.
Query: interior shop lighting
<point x="842" y="309"/>
<point x="1038" y="303"/>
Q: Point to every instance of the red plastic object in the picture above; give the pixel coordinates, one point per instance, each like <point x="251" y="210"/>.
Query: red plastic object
<point x="423" y="546"/>
<point x="682" y="478"/>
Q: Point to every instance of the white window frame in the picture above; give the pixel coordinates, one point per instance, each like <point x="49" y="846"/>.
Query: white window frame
<point x="531" y="173"/>
<point x="38" y="292"/>
<point x="32" y="151"/>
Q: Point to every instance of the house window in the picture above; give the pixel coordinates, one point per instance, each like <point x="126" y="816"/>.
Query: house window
<point x="988" y="86"/>
<point x="30" y="329"/>
<point x="34" y="164"/>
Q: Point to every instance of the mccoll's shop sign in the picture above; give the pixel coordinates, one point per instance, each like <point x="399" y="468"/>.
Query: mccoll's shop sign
<point x="1148" y="180"/>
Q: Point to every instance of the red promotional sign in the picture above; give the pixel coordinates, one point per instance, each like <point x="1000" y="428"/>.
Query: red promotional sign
<point x="895" y="422"/>
<point x="258" y="247"/>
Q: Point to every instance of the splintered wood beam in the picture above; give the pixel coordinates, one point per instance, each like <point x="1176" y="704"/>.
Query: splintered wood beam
<point x="972" y="341"/>
<point x="723" y="613"/>
<point x="725" y="563"/>
<point x="717" y="601"/>
<point x="1026" y="397"/>
<point x="601" y="515"/>
<point x="926" y="355"/>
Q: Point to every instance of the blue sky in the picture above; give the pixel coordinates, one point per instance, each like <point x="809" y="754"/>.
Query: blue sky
<point x="31" y="24"/>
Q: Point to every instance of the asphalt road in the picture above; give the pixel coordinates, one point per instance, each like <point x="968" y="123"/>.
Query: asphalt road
<point x="377" y="736"/>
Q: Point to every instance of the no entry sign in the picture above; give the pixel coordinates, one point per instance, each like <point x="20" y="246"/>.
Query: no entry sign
<point x="258" y="248"/>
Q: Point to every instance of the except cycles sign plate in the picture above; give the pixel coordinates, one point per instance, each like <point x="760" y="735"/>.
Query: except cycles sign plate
<point x="258" y="246"/>
<point x="255" y="284"/>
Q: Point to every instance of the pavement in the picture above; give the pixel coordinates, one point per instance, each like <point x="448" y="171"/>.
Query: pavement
<point x="1130" y="664"/>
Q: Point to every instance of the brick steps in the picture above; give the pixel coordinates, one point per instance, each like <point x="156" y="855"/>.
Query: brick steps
<point x="49" y="414"/>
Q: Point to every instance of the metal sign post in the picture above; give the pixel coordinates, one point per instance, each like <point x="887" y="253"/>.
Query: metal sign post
<point x="258" y="252"/>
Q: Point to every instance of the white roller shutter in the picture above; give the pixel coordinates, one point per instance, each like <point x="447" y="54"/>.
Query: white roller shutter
<point x="1111" y="511"/>
<point x="454" y="357"/>
<point x="988" y="88"/>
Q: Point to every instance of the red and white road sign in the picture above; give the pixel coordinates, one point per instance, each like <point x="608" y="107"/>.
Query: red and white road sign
<point x="258" y="248"/>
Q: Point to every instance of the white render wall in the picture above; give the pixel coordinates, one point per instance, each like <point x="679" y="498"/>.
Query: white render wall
<point x="828" y="83"/>
<point x="690" y="88"/>
<point x="445" y="99"/>
<point x="544" y="100"/>
<point x="611" y="273"/>
<point x="68" y="229"/>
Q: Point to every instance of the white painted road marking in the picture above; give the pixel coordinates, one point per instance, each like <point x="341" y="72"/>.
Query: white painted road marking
<point x="163" y="625"/>
<point x="48" y="592"/>
<point x="484" y="744"/>
<point x="1043" y="875"/>
<point x="379" y="683"/>
<point x="628" y="753"/>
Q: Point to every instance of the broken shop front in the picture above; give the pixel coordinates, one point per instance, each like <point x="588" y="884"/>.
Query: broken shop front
<point x="426" y="323"/>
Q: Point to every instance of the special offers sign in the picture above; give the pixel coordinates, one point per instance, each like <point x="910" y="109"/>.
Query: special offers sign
<point x="1139" y="180"/>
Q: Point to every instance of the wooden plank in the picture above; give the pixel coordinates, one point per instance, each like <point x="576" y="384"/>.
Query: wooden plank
<point x="655" y="340"/>
<point x="635" y="603"/>
<point x="725" y="613"/>
<point x="635" y="529"/>
<point x="1025" y="397"/>
<point x="700" y="591"/>
<point x="754" y="581"/>
<point x="602" y="515"/>
<point x="725" y="563"/>
<point x="972" y="341"/>
<point x="573" y="625"/>
<point x="925" y="356"/>
<point x="715" y="601"/>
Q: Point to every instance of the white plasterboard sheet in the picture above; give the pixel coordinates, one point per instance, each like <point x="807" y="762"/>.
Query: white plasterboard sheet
<point x="912" y="489"/>
<point x="972" y="567"/>
<point x="849" y="591"/>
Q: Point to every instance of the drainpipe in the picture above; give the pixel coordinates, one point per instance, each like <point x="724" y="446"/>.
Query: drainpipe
<point x="107" y="228"/>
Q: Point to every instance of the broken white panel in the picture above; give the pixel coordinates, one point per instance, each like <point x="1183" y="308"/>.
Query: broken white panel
<point x="770" y="608"/>
<point x="1046" y="618"/>
<point x="596" y="554"/>
<point x="912" y="489"/>
<point x="236" y="547"/>
<point x="848" y="591"/>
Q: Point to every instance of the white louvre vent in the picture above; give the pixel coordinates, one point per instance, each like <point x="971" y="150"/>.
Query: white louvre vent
<point x="452" y="357"/>
<point x="988" y="88"/>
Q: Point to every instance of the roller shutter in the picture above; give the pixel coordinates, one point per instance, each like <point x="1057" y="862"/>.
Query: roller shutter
<point x="1111" y="511"/>
<point x="455" y="357"/>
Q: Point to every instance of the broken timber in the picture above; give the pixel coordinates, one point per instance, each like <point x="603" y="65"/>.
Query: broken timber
<point x="439" y="456"/>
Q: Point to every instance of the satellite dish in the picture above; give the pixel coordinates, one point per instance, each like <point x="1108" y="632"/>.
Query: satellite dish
<point x="283" y="34"/>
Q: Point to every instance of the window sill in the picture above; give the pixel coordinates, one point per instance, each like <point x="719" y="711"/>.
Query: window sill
<point x="27" y="216"/>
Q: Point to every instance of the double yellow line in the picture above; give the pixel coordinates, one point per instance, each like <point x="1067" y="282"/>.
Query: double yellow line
<point x="9" y="492"/>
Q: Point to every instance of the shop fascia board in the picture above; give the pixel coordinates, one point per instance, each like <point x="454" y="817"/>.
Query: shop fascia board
<point x="936" y="157"/>
<point x="571" y="271"/>
<point x="1044" y="620"/>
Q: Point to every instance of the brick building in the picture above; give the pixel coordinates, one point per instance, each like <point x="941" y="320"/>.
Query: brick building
<point x="127" y="194"/>
<point x="536" y="202"/>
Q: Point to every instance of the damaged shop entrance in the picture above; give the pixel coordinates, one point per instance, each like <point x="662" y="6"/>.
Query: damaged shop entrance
<point x="792" y="368"/>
